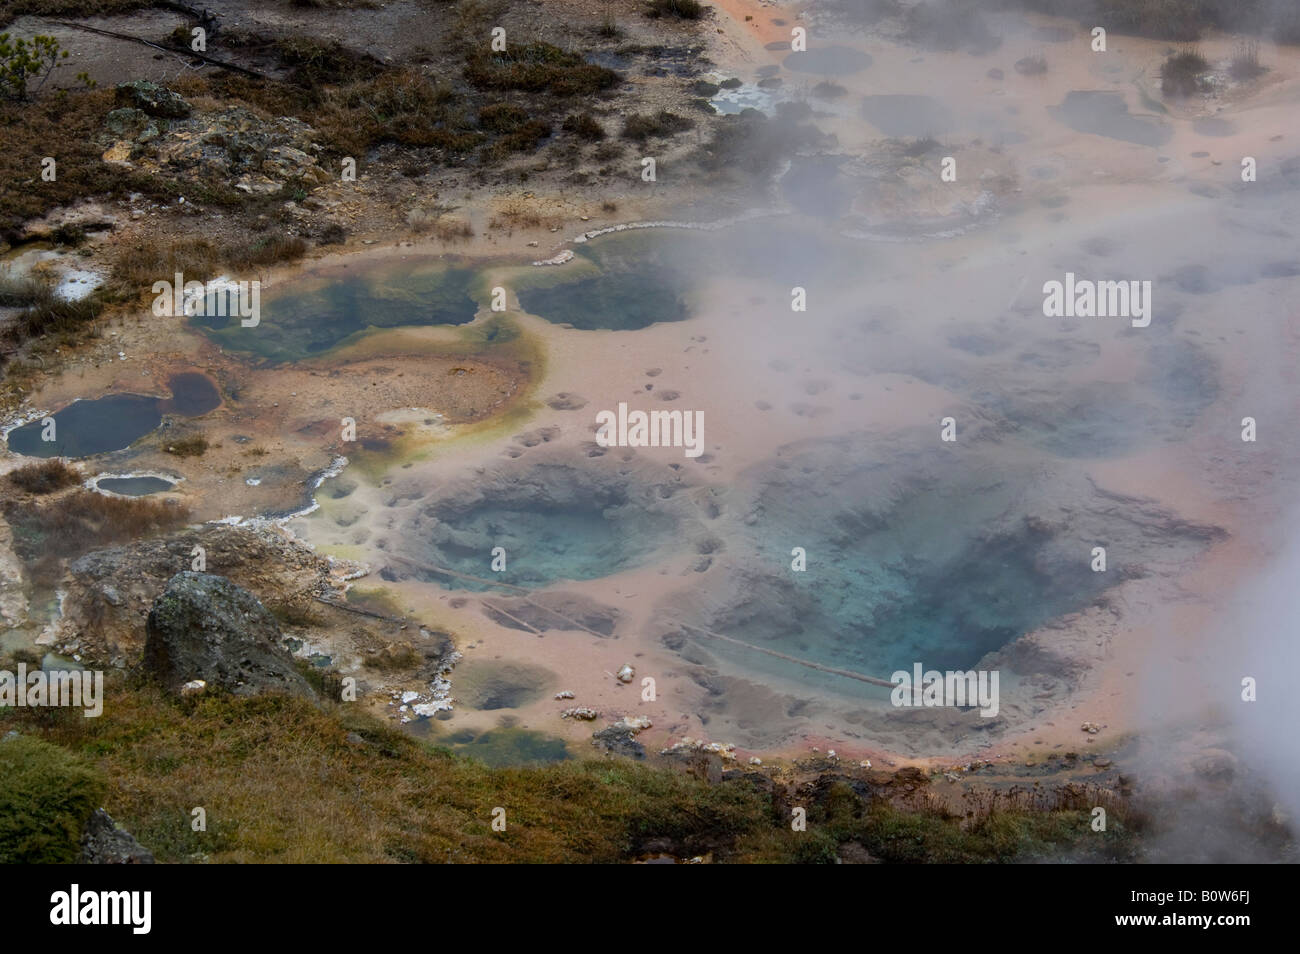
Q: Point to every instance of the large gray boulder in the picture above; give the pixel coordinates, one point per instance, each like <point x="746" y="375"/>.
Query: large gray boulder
<point x="205" y="627"/>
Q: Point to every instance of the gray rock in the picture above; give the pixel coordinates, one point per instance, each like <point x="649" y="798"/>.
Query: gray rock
<point x="126" y="123"/>
<point x="205" y="627"/>
<point x="153" y="99"/>
<point x="619" y="739"/>
<point x="104" y="842"/>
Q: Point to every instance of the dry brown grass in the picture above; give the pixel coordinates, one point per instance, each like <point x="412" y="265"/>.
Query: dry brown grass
<point x="446" y="228"/>
<point x="401" y="106"/>
<point x="69" y="8"/>
<point x="67" y="126"/>
<point x="538" y="68"/>
<point x="394" y="656"/>
<point x="44" y="314"/>
<point x="584" y="126"/>
<point x="136" y="266"/>
<point x="648" y="125"/>
<point x="45" y="476"/>
<point x="1245" y="63"/>
<point x="1181" y="72"/>
<point x="46" y="534"/>
<point x="192" y="445"/>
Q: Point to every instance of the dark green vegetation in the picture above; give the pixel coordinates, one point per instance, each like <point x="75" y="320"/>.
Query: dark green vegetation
<point x="285" y="780"/>
<point x="680" y="9"/>
<point x="26" y="64"/>
<point x="1003" y="829"/>
<point x="46" y="795"/>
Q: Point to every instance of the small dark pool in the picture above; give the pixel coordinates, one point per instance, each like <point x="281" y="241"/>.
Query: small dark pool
<point x="192" y="394"/>
<point x="907" y="114"/>
<point x="828" y="61"/>
<point x="642" y="279"/>
<point x="1104" y="113"/>
<point x="85" y="428"/>
<point x="315" y="316"/>
<point x="134" y="486"/>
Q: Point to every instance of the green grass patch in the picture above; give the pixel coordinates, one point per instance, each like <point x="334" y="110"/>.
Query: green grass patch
<point x="285" y="780"/>
<point x="281" y="781"/>
<point x="46" y="795"/>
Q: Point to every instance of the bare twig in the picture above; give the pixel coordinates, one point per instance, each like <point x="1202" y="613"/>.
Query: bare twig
<point x="211" y="60"/>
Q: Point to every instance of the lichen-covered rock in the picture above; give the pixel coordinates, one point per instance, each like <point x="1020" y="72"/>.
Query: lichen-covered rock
<point x="104" y="842"/>
<point x="233" y="146"/>
<point x="153" y="99"/>
<point x="205" y="627"/>
<point x="127" y="122"/>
